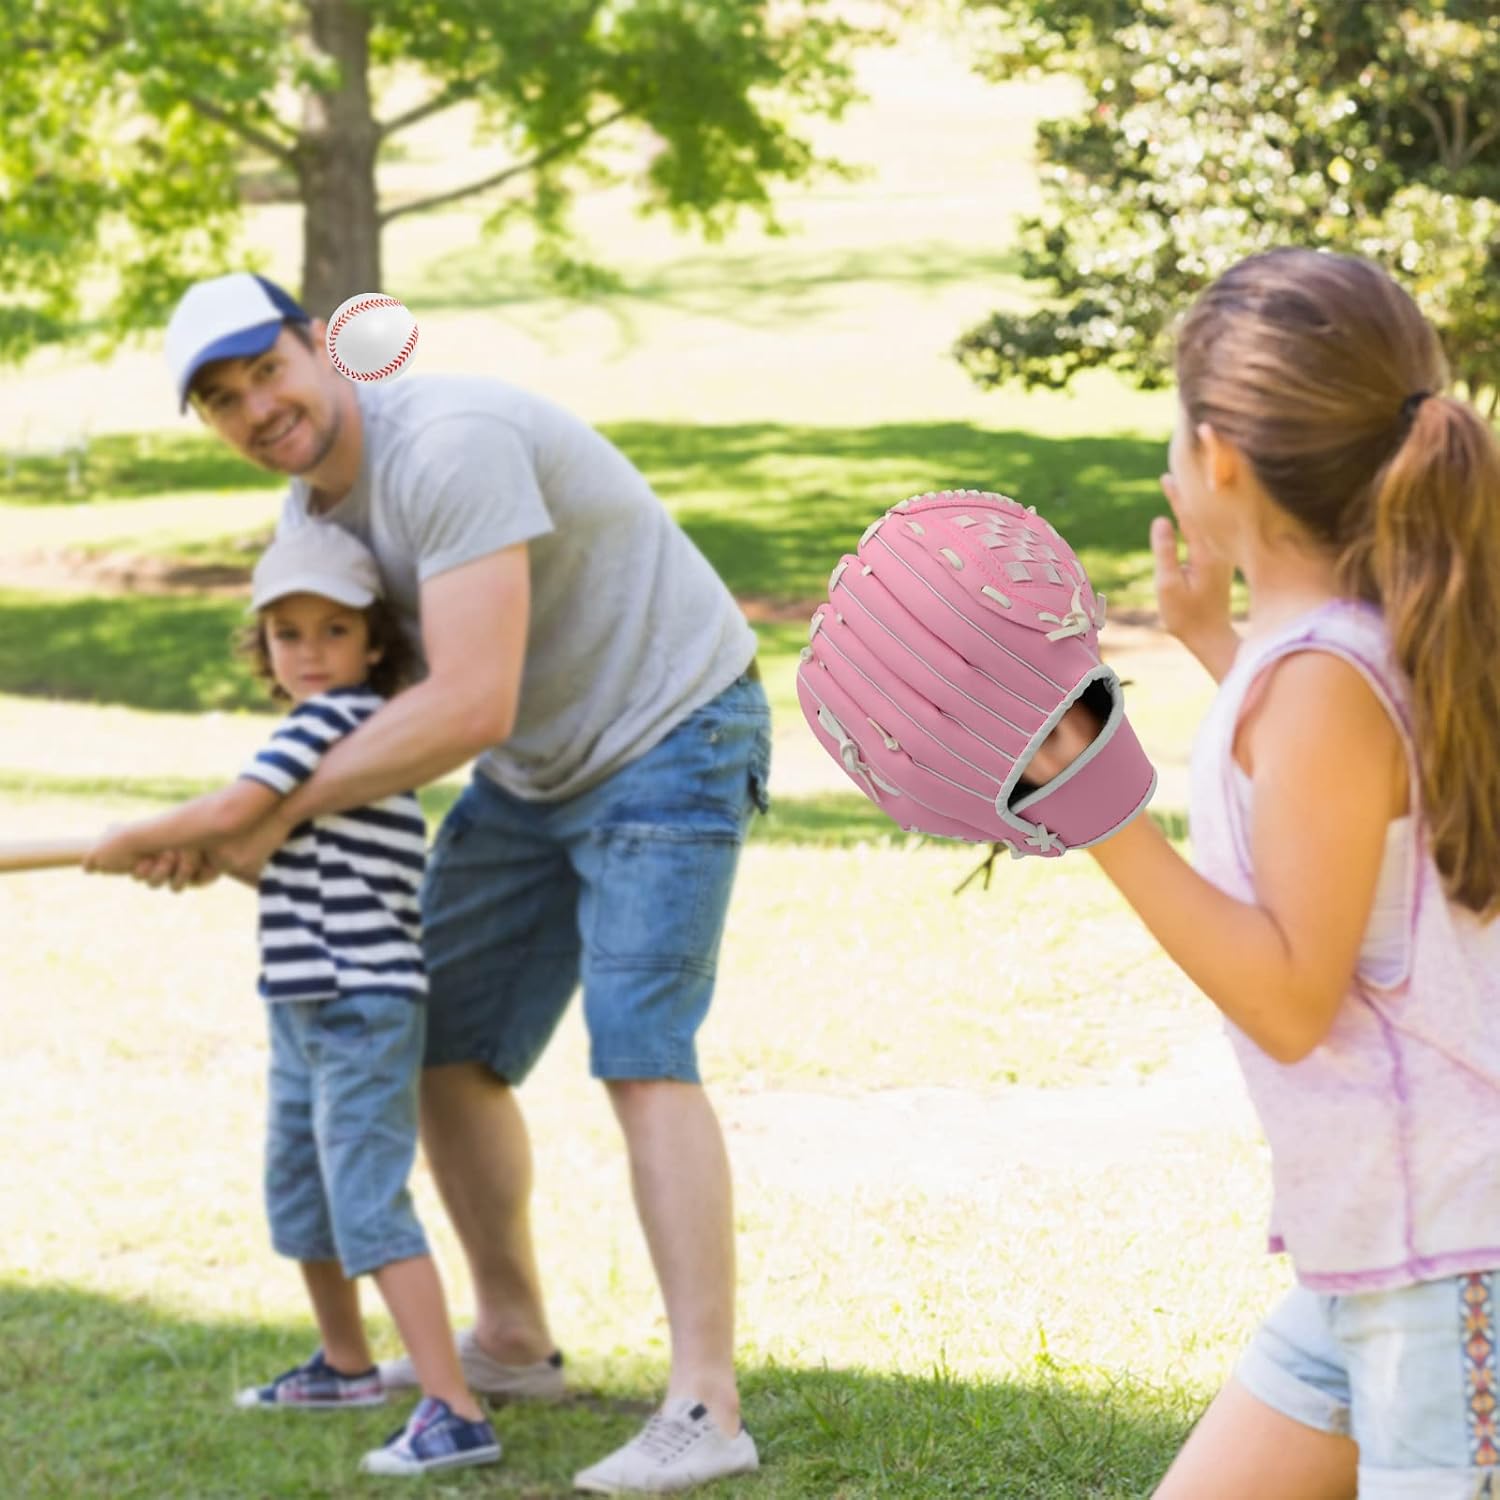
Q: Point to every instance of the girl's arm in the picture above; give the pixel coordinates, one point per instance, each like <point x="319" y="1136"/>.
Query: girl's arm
<point x="199" y="824"/>
<point x="1329" y="774"/>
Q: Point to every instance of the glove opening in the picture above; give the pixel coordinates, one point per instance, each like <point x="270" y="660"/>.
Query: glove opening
<point x="1099" y="699"/>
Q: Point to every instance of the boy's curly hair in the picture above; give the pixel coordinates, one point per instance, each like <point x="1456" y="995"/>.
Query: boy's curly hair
<point x="396" y="668"/>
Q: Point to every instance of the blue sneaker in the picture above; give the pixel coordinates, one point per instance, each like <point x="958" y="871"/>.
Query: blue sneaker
<point x="434" y="1438"/>
<point x="315" y="1385"/>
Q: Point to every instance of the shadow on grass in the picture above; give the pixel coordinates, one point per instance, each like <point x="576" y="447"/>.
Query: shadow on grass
<point x="775" y="506"/>
<point x="131" y="466"/>
<point x="148" y="651"/>
<point x="138" y="1404"/>
<point x="772" y="505"/>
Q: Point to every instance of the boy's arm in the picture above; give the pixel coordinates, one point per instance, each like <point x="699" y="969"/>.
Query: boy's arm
<point x="474" y="620"/>
<point x="199" y="824"/>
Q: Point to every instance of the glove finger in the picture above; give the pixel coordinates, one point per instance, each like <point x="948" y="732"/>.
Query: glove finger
<point x="927" y="679"/>
<point x="895" y="753"/>
<point x="906" y="805"/>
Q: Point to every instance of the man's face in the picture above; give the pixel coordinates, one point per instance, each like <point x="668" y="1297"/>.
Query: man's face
<point x="280" y="409"/>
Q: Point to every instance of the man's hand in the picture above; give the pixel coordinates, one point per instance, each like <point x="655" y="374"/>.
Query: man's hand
<point x="1192" y="593"/>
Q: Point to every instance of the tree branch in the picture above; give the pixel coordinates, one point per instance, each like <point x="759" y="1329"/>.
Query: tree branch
<point x="1439" y="129"/>
<point x="1481" y="140"/>
<point x="562" y="148"/>
<point x="246" y="132"/>
<point x="455" y="93"/>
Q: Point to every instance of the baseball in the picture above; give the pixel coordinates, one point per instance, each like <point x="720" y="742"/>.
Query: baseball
<point x="371" y="337"/>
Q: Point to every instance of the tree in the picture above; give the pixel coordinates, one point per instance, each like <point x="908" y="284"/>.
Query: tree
<point x="1216" y="128"/>
<point x="126" y="128"/>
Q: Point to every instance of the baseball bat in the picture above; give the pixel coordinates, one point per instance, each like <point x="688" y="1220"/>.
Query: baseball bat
<point x="43" y="854"/>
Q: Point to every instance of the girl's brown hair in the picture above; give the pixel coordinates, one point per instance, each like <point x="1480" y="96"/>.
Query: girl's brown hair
<point x="1324" y="374"/>
<point x="396" y="668"/>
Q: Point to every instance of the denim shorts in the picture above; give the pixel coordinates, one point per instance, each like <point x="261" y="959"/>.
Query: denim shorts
<point x="342" y="1133"/>
<point x="1411" y="1375"/>
<point x="623" y="888"/>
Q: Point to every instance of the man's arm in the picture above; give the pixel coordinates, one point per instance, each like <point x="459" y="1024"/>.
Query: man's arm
<point x="474" y="622"/>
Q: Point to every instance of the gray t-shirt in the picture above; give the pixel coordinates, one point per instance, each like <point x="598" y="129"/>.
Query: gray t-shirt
<point x="631" y="629"/>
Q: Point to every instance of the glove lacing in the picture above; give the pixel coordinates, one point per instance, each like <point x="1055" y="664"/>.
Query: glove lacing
<point x="1077" y="620"/>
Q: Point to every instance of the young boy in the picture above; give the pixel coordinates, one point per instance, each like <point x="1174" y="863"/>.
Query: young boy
<point x="341" y="970"/>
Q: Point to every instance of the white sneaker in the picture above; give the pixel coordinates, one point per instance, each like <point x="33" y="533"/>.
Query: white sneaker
<point x="678" y="1448"/>
<point x="542" y="1381"/>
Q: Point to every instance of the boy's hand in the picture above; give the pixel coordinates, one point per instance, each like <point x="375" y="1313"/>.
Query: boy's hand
<point x="177" y="869"/>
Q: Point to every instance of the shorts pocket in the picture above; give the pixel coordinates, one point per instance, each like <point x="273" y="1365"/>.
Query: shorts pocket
<point x="659" y="894"/>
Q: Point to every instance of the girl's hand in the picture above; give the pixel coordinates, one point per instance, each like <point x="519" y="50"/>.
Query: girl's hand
<point x="1192" y="593"/>
<point x="1075" y="732"/>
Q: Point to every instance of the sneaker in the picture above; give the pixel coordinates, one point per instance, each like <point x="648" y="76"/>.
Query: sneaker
<point x="316" y="1384"/>
<point x="433" y="1438"/>
<point x="679" y="1447"/>
<point x="542" y="1381"/>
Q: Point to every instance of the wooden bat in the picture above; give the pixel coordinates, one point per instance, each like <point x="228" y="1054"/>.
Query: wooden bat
<point x="43" y="854"/>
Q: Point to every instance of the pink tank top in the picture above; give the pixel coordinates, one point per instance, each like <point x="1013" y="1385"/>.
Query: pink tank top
<point x="1385" y="1140"/>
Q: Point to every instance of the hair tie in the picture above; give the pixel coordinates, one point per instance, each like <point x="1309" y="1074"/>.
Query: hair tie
<point x="1410" y="405"/>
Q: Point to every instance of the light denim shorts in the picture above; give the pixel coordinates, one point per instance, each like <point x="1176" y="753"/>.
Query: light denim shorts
<point x="342" y="1132"/>
<point x="623" y="888"/>
<point x="1411" y="1375"/>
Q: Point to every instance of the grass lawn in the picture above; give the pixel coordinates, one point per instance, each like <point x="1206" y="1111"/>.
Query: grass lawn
<point x="998" y="1226"/>
<point x="999" y="1198"/>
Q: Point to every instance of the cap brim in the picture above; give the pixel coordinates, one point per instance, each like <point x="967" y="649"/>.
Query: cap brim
<point x="244" y="343"/>
<point x="340" y="590"/>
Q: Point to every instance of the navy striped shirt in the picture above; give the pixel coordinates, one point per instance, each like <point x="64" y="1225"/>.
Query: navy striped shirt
<point x="339" y="907"/>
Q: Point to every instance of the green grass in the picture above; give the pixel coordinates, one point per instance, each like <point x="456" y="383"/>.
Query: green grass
<point x="998" y="1232"/>
<point x="132" y="466"/>
<point x="820" y="1431"/>
<point x="771" y="505"/>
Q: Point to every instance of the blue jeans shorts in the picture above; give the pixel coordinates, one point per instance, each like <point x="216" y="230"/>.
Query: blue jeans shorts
<point x="342" y="1133"/>
<point x="623" y="888"/>
<point x="1411" y="1375"/>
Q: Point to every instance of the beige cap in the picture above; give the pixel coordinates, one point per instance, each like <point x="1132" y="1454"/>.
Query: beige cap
<point x="316" y="558"/>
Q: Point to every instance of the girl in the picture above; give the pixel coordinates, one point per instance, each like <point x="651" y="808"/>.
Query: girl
<point x="1345" y="814"/>
<point x="342" y="971"/>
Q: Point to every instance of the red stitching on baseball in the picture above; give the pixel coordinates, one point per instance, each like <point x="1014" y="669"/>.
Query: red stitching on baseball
<point x="364" y="305"/>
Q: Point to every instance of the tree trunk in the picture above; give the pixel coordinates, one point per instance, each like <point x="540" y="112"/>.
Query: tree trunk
<point x="335" y="160"/>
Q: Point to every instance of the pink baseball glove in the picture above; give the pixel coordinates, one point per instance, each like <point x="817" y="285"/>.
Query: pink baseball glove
<point x="949" y="649"/>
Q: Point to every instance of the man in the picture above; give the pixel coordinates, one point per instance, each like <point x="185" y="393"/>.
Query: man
<point x="582" y="648"/>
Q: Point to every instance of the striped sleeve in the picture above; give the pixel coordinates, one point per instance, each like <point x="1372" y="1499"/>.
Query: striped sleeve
<point x="302" y="739"/>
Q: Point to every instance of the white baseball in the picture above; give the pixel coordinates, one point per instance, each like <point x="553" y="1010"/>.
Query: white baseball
<point x="371" y="337"/>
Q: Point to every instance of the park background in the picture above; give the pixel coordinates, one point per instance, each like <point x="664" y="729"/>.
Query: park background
<point x="1000" y="1201"/>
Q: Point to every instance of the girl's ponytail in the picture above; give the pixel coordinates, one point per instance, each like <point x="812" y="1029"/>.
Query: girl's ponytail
<point x="1429" y="552"/>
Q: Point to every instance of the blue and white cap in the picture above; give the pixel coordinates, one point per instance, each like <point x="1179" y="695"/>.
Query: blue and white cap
<point x="230" y="317"/>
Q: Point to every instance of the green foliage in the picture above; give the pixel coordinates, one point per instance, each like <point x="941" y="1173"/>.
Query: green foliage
<point x="1213" y="130"/>
<point x="130" y="133"/>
